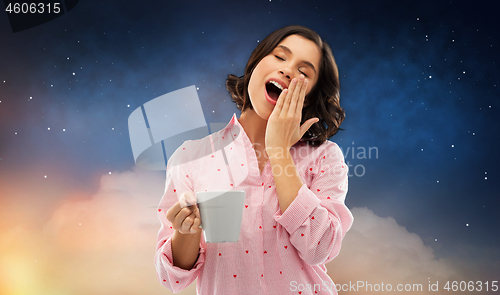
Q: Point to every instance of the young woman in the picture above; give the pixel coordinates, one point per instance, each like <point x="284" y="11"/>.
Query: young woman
<point x="295" y="180"/>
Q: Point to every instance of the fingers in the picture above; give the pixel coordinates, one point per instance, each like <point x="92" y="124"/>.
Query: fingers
<point x="307" y="124"/>
<point x="279" y="103"/>
<point x="187" y="198"/>
<point x="185" y="215"/>
<point x="173" y="211"/>
<point x="190" y="225"/>
<point x="292" y="99"/>
<point x="300" y="100"/>
<point x="298" y="96"/>
<point x="195" y="210"/>
<point x="289" y="96"/>
<point x="295" y="97"/>
<point x="176" y="215"/>
<point x="186" y="221"/>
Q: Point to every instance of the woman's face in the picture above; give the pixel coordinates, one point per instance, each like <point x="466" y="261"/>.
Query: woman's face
<point x="295" y="55"/>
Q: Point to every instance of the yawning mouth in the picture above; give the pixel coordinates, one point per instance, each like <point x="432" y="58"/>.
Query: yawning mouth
<point x="273" y="89"/>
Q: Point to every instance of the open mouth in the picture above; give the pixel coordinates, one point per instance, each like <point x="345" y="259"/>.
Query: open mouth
<point x="274" y="89"/>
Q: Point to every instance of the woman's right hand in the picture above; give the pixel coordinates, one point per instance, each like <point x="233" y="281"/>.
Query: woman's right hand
<point x="185" y="215"/>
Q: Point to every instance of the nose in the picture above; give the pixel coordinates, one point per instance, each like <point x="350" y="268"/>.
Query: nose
<point x="286" y="73"/>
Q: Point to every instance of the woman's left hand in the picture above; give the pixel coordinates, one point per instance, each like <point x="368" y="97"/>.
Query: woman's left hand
<point x="283" y="126"/>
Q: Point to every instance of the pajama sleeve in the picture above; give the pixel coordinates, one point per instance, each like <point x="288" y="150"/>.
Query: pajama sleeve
<point x="317" y="220"/>
<point x="179" y="180"/>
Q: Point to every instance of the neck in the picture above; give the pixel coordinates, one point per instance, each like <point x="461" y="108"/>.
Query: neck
<point x="255" y="127"/>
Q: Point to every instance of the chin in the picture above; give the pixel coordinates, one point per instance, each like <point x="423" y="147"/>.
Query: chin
<point x="262" y="108"/>
<point x="264" y="116"/>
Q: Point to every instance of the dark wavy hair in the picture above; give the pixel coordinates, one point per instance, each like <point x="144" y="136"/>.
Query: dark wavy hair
<point x="323" y="99"/>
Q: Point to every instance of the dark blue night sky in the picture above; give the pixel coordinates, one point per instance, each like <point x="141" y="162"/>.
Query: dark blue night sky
<point x="419" y="83"/>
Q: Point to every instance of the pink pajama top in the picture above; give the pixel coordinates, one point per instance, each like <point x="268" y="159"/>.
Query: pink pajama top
<point x="277" y="253"/>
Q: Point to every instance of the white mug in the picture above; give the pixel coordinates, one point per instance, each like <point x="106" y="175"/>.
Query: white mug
<point x="221" y="213"/>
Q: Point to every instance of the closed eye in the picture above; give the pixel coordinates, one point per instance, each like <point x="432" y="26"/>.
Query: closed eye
<point x="280" y="58"/>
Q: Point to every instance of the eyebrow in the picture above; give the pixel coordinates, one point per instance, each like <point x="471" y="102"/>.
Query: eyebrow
<point x="287" y="50"/>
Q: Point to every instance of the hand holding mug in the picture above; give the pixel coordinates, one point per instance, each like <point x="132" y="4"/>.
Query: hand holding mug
<point x="185" y="215"/>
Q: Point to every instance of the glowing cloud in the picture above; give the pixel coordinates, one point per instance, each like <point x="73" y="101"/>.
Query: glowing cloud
<point x="105" y="244"/>
<point x="378" y="250"/>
